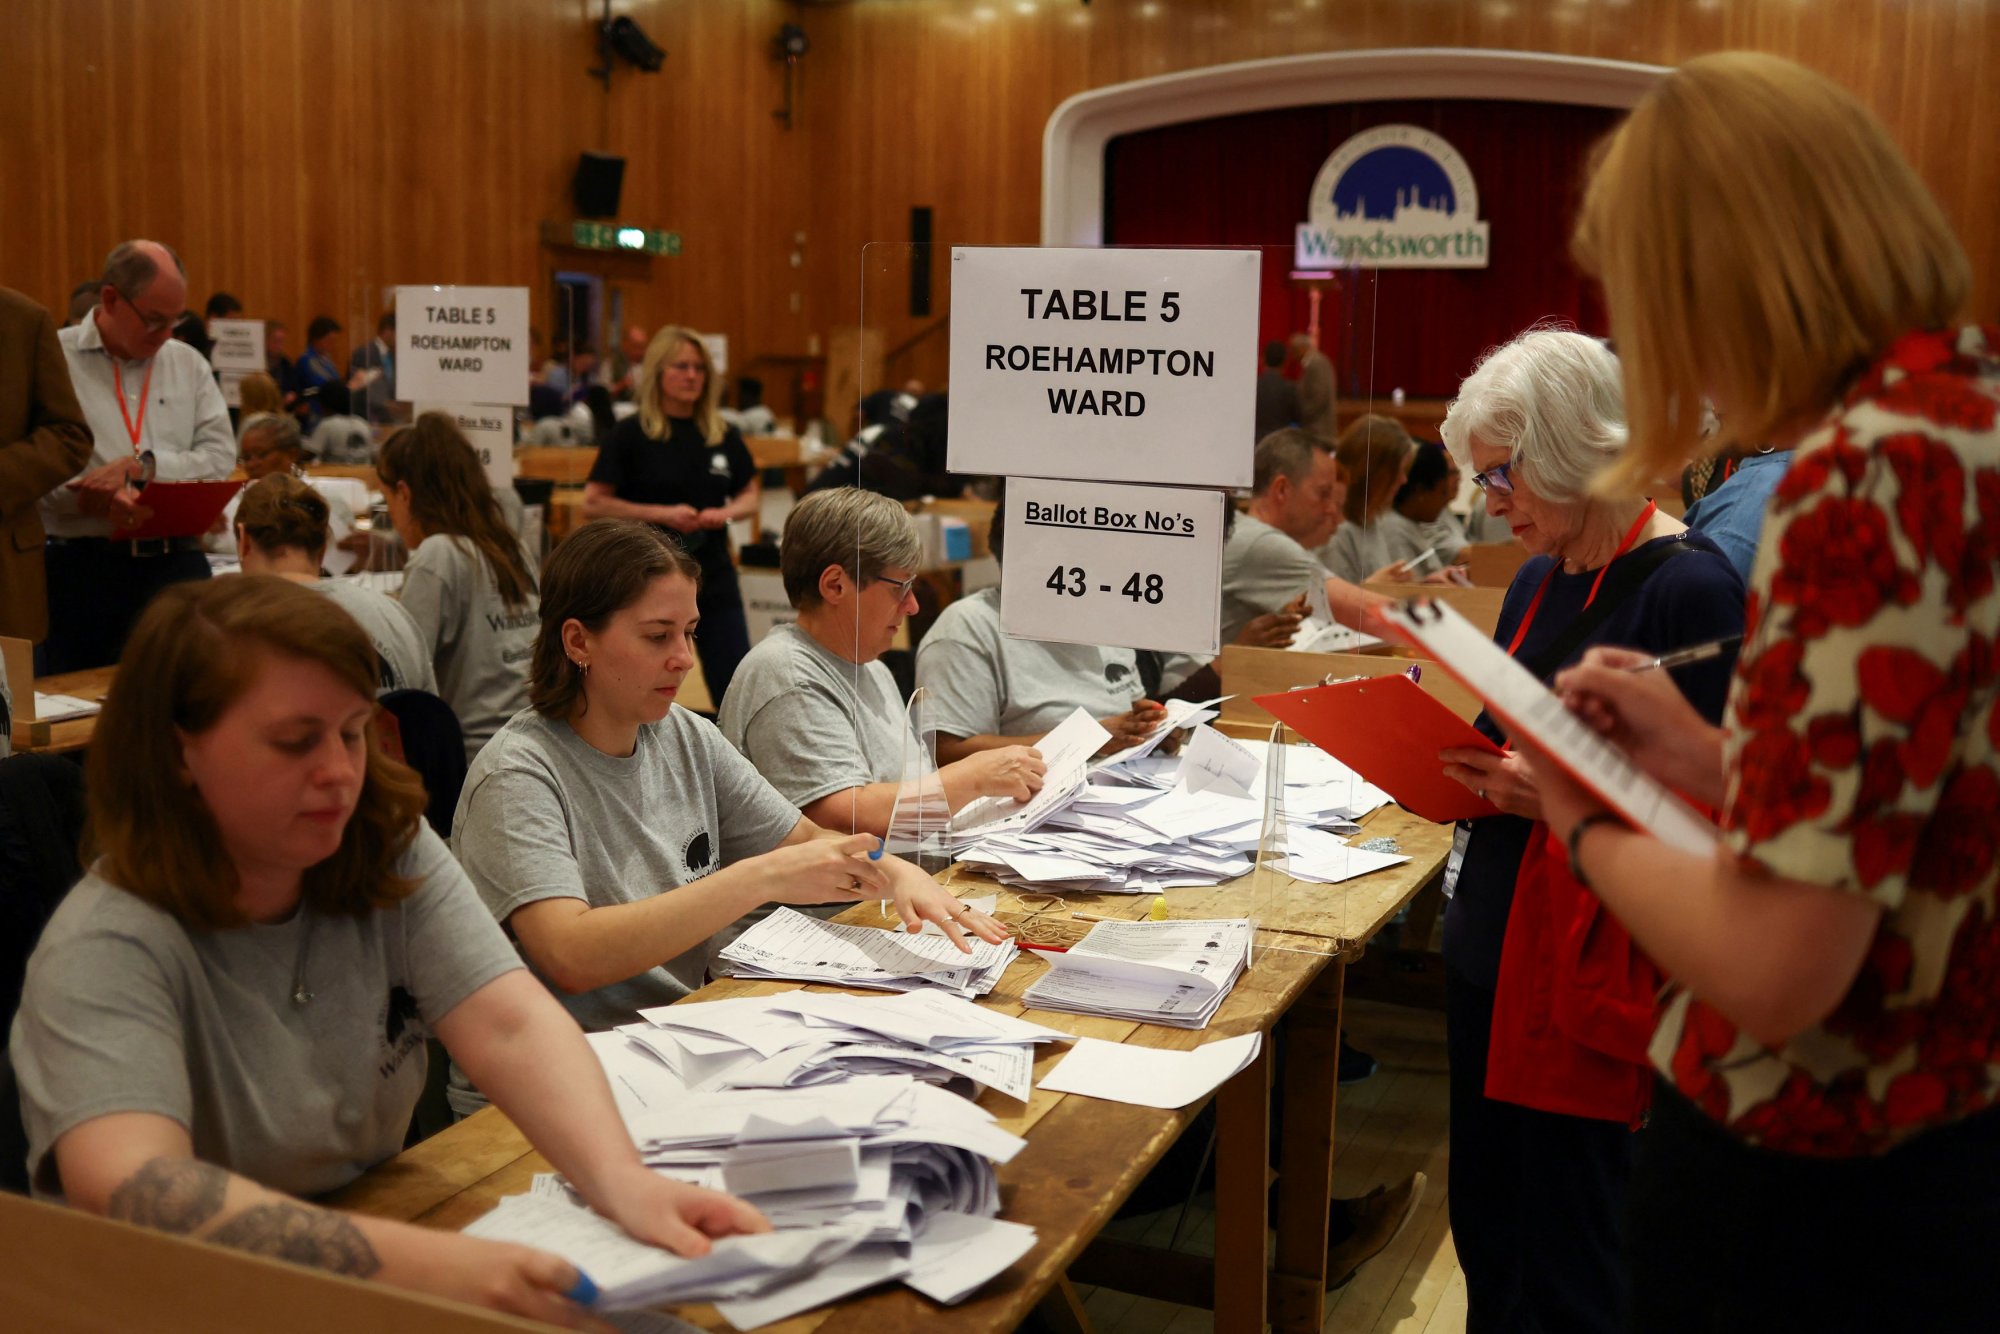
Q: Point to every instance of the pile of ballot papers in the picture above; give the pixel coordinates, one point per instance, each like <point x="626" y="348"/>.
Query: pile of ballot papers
<point x="1176" y="973"/>
<point x="803" y="948"/>
<point x="867" y="1172"/>
<point x="1152" y="823"/>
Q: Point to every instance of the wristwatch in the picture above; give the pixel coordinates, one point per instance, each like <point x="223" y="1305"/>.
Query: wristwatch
<point x="148" y="465"/>
<point x="1576" y="833"/>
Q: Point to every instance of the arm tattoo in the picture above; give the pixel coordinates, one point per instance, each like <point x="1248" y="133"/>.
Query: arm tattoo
<point x="171" y="1195"/>
<point x="179" y="1195"/>
<point x="302" y="1234"/>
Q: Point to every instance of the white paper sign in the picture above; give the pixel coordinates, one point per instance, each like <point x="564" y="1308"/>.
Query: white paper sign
<point x="239" y="345"/>
<point x="1127" y="365"/>
<point x="490" y="429"/>
<point x="462" y="344"/>
<point x="1093" y="563"/>
<point x="718" y="352"/>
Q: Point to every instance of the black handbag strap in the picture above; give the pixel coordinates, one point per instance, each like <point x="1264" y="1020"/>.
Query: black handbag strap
<point x="1621" y="581"/>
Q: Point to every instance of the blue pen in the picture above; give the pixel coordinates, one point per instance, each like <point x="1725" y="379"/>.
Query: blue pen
<point x="583" y="1292"/>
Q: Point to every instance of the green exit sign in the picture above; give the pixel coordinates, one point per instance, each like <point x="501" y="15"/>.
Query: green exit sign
<point x="614" y="236"/>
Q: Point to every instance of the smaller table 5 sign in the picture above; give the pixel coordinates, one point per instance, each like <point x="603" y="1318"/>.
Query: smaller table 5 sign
<point x="1135" y="566"/>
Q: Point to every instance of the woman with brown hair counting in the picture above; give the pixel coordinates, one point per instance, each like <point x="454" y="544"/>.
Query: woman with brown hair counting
<point x="469" y="584"/>
<point x="1824" y="1151"/>
<point x="282" y="527"/>
<point x="676" y="465"/>
<point x="1375" y="455"/>
<point x="229" y="1011"/>
<point x="613" y="833"/>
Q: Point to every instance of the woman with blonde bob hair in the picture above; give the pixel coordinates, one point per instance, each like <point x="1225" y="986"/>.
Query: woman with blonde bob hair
<point x="676" y="465"/>
<point x="1824" y="1150"/>
<point x="228" y="1013"/>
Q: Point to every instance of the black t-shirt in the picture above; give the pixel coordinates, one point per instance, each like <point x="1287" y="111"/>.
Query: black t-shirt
<point x="683" y="469"/>
<point x="1686" y="601"/>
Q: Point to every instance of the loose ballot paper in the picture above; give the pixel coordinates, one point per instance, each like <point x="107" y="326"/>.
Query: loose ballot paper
<point x="1175" y="973"/>
<point x="1390" y="732"/>
<point x="803" y="948"/>
<point x="1531" y="710"/>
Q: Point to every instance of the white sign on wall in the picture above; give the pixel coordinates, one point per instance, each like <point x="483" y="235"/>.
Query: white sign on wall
<point x="718" y="352"/>
<point x="490" y="429"/>
<point x="1091" y="563"/>
<point x="462" y="344"/>
<point x="239" y="345"/>
<point x="1133" y="365"/>
<point x="1393" y="197"/>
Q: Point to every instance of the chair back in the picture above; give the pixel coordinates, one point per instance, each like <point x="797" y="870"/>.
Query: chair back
<point x="426" y="736"/>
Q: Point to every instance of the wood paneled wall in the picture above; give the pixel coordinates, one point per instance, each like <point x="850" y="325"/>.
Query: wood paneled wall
<point x="304" y="155"/>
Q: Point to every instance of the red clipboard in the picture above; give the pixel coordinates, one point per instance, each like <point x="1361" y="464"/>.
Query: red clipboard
<point x="180" y="509"/>
<point x="1389" y="731"/>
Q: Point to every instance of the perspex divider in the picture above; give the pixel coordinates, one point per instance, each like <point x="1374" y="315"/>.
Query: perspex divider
<point x="887" y="398"/>
<point x="920" y="821"/>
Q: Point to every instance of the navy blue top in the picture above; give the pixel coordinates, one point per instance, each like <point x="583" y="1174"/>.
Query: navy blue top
<point x="1689" y="600"/>
<point x="1733" y="513"/>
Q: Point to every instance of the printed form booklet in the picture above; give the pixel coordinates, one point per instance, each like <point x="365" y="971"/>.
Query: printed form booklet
<point x="1172" y="973"/>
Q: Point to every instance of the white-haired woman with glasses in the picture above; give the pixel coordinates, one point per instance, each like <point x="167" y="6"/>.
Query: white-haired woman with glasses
<point x="1545" y="1080"/>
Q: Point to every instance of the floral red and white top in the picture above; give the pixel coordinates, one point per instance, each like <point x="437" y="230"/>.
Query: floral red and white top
<point x="1864" y="754"/>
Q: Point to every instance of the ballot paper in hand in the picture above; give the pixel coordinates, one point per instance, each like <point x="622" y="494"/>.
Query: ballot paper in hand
<point x="1180" y="713"/>
<point x="1175" y="973"/>
<point x="1066" y="751"/>
<point x="1151" y="1076"/>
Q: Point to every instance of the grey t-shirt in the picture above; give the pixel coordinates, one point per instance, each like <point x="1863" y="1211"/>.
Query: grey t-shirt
<point x="1263" y="568"/>
<point x="547" y="815"/>
<point x="1404" y="538"/>
<point x="481" y="645"/>
<point x="127" y="1010"/>
<point x="794" y="711"/>
<point x="1355" y="551"/>
<point x="982" y="682"/>
<point x="406" y="660"/>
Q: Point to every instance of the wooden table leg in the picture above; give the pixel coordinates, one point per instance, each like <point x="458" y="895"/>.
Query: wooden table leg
<point x="1242" y="1188"/>
<point x="1305" y="1156"/>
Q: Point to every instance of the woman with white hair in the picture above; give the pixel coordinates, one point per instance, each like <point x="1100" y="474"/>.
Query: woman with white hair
<point x="1547" y="1038"/>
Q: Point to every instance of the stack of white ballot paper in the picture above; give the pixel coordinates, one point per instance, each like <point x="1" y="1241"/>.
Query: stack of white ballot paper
<point x="872" y="1178"/>
<point x="1173" y="973"/>
<point x="1165" y="822"/>
<point x="800" y="1038"/>
<point x="803" y="948"/>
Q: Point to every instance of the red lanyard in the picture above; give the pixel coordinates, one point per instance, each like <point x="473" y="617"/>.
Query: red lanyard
<point x="135" y="429"/>
<point x="1535" y="606"/>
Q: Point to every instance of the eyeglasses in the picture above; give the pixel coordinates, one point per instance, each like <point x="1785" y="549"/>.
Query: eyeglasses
<point x="1498" y="478"/>
<point x="902" y="586"/>
<point x="153" y="323"/>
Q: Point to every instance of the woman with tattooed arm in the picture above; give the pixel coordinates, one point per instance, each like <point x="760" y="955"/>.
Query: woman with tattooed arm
<point x="228" y="1013"/>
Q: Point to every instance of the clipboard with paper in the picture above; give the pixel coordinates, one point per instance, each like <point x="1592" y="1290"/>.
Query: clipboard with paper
<point x="180" y="509"/>
<point x="1388" y="730"/>
<point x="1531" y="710"/>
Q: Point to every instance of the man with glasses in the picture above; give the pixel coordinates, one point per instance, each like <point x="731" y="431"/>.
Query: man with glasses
<point x="155" y="412"/>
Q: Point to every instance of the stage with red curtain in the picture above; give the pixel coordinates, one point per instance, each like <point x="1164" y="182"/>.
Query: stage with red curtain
<point x="1244" y="180"/>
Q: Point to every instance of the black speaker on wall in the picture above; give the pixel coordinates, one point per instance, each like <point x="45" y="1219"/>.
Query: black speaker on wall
<point x="920" y="261"/>
<point x="600" y="179"/>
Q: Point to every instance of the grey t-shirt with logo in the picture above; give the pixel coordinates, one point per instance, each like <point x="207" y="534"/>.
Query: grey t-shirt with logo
<point x="982" y="682"/>
<point x="406" y="660"/>
<point x="547" y="815"/>
<point x="812" y="722"/>
<point x="481" y="645"/>
<point x="127" y="1010"/>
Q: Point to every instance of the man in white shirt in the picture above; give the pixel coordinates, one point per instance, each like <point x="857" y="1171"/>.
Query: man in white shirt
<point x="1295" y="505"/>
<point x="155" y="413"/>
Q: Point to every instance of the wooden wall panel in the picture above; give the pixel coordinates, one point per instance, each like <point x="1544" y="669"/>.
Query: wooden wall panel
<point x="303" y="155"/>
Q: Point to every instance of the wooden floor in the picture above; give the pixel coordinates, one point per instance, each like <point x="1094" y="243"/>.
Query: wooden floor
<point x="1387" y="1127"/>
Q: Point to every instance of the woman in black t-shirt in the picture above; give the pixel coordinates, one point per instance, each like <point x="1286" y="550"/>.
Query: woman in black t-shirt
<point x="677" y="466"/>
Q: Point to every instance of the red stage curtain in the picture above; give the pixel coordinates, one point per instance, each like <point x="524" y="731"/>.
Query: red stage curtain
<point x="1243" y="180"/>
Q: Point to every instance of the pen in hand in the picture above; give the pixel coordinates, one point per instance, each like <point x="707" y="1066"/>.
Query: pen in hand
<point x="1682" y="657"/>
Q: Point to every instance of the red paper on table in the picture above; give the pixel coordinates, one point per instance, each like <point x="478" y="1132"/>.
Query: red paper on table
<point x="180" y="509"/>
<point x="1388" y="730"/>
